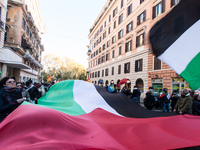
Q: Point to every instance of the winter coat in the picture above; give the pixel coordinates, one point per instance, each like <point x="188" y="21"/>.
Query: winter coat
<point x="184" y="104"/>
<point x="136" y="93"/>
<point x="149" y="101"/>
<point x="8" y="102"/>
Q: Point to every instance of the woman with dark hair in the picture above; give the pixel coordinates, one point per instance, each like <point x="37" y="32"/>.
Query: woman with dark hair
<point x="10" y="96"/>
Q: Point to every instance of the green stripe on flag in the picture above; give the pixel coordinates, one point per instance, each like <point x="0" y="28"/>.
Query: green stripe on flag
<point x="192" y="73"/>
<point x="61" y="97"/>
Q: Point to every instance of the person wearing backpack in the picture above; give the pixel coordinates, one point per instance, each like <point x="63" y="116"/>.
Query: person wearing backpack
<point x="165" y="97"/>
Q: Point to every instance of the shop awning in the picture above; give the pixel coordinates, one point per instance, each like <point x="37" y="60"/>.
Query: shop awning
<point x="12" y="59"/>
<point x="15" y="64"/>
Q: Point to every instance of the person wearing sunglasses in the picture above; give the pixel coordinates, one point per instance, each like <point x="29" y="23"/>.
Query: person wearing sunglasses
<point x="10" y="96"/>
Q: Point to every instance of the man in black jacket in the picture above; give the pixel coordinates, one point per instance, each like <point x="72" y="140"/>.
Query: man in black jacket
<point x="33" y="91"/>
<point x="136" y="94"/>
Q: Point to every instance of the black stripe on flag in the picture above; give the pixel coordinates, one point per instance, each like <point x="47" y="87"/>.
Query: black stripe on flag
<point x="127" y="107"/>
<point x="165" y="32"/>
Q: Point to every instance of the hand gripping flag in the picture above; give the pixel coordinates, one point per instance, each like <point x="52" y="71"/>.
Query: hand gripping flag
<point x="175" y="40"/>
<point x="78" y="115"/>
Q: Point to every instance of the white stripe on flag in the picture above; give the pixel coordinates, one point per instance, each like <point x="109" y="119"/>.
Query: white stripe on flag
<point x="86" y="95"/>
<point x="184" y="49"/>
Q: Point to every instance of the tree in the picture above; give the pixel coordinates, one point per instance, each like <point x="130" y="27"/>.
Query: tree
<point x="64" y="68"/>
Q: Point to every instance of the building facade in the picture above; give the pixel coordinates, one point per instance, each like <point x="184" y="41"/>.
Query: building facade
<point x="3" y="11"/>
<point x="119" y="46"/>
<point x="22" y="43"/>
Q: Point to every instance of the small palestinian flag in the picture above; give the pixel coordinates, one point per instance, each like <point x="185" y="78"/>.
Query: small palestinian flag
<point x="77" y="115"/>
<point x="175" y="40"/>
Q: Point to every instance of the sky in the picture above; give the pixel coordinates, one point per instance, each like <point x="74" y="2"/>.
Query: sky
<point x="67" y="24"/>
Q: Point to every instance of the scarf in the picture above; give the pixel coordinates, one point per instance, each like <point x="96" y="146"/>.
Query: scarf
<point x="8" y="89"/>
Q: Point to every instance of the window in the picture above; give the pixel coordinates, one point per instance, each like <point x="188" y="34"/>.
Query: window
<point x="100" y="39"/>
<point x="104" y="24"/>
<point x="99" y="61"/>
<point x="120" y="18"/>
<point x="107" y="56"/>
<point x="119" y="69"/>
<point x="158" y="9"/>
<point x="109" y="18"/>
<point x="101" y="28"/>
<point x="114" y="12"/>
<point x="108" y="43"/>
<point x="114" y="24"/>
<point x="97" y="52"/>
<point x="129" y="9"/>
<point x="174" y="2"/>
<point x="98" y="73"/>
<point x="129" y="27"/>
<point x="113" y="39"/>
<point x="24" y="23"/>
<point x="141" y="1"/>
<point x="112" y="70"/>
<point x="102" y="73"/>
<point x="106" y="72"/>
<point x="141" y="18"/>
<point x="100" y="50"/>
<point x="120" y="50"/>
<point x="138" y="65"/>
<point x="27" y="29"/>
<point x="109" y="30"/>
<point x="157" y="63"/>
<point x="104" y="35"/>
<point x="104" y="46"/>
<point x="120" y="34"/>
<point x="140" y="40"/>
<point x="113" y="54"/>
<point x="128" y="46"/>
<point x="95" y="74"/>
<point x="122" y="3"/>
<point x="103" y="59"/>
<point x="127" y="67"/>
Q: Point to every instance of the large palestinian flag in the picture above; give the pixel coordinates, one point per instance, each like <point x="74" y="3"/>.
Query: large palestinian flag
<point x="175" y="40"/>
<point x="77" y="115"/>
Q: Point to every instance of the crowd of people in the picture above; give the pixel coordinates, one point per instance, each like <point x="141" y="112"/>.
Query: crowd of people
<point x="186" y="103"/>
<point x="12" y="94"/>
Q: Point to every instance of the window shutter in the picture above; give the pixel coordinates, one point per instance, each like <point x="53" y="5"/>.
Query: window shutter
<point x="130" y="45"/>
<point x="172" y="3"/>
<point x="144" y="17"/>
<point x="143" y="38"/>
<point x="126" y="48"/>
<point x="159" y="63"/>
<point x="136" y="62"/>
<point x="129" y="67"/>
<point x="131" y="25"/>
<point x="141" y="64"/>
<point x="163" y="6"/>
<point x="138" y="20"/>
<point x="154" y="12"/>
<point x="124" y="68"/>
<point x="137" y="41"/>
